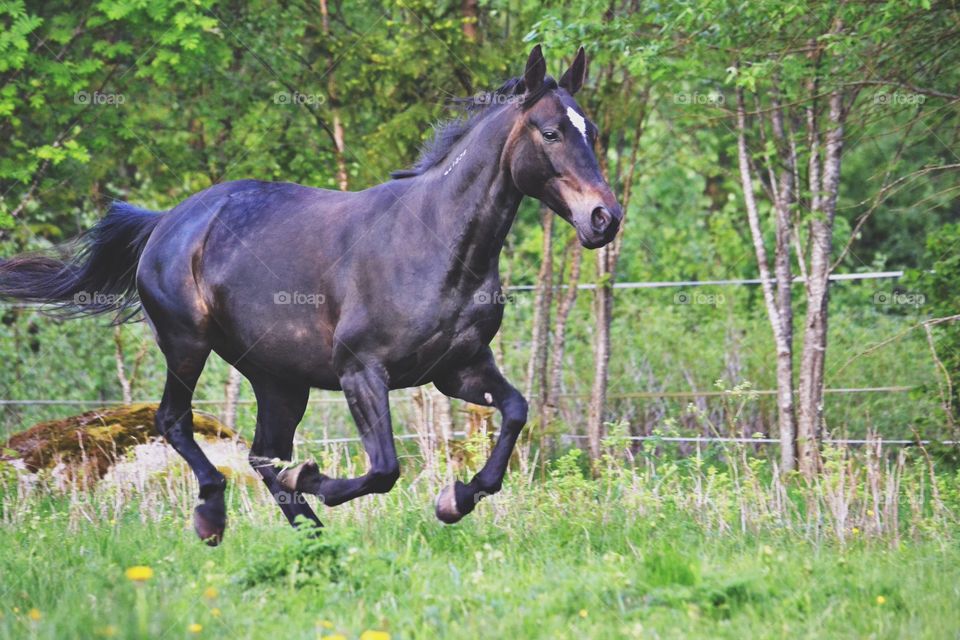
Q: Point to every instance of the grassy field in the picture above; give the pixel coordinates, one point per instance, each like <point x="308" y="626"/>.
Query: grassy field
<point x="654" y="549"/>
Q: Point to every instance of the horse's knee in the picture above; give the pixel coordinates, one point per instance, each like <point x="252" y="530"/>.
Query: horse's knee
<point x="162" y="421"/>
<point x="383" y="479"/>
<point x="514" y="411"/>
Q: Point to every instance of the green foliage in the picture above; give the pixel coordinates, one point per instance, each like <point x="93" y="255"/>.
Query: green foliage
<point x="305" y="557"/>
<point x="937" y="283"/>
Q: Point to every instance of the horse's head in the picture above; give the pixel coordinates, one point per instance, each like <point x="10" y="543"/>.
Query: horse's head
<point x="551" y="152"/>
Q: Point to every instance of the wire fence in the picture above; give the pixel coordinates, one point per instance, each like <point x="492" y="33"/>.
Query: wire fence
<point x="613" y="395"/>
<point x="836" y="277"/>
<point x="564" y="436"/>
<point x="677" y="439"/>
<point x="402" y="398"/>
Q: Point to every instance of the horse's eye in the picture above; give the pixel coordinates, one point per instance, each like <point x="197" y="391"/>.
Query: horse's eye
<point x="550" y="135"/>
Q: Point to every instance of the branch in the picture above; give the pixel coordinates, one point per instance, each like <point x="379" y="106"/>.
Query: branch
<point x="894" y="338"/>
<point x="933" y="93"/>
<point x="753" y="217"/>
<point x="881" y="196"/>
<point x="946" y="395"/>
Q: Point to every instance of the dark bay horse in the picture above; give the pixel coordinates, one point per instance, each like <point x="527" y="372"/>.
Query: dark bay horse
<point x="299" y="288"/>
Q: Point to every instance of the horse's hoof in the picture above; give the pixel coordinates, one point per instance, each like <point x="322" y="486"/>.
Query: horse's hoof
<point x="209" y="524"/>
<point x="447" y="511"/>
<point x="291" y="477"/>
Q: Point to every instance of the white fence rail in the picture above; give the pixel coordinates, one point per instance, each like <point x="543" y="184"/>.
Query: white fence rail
<point x="836" y="277"/>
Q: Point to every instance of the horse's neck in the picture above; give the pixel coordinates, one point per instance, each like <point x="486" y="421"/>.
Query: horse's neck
<point x="480" y="200"/>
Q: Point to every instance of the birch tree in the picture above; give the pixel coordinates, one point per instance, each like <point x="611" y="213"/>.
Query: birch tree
<point x="798" y="86"/>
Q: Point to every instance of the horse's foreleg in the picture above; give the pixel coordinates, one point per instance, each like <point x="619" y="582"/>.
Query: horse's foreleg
<point x="366" y="392"/>
<point x="481" y="382"/>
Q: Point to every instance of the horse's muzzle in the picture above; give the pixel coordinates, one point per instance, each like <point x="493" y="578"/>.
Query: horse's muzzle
<point x="604" y="224"/>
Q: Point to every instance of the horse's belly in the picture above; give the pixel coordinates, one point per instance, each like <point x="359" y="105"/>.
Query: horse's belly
<point x="291" y="347"/>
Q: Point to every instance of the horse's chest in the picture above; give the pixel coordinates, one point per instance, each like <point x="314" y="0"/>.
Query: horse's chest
<point x="452" y="335"/>
<point x="473" y="322"/>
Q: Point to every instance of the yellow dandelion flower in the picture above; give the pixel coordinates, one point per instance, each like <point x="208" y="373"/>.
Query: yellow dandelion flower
<point x="195" y="628"/>
<point x="139" y="573"/>
<point x="370" y="634"/>
<point x="326" y="624"/>
<point x="210" y="593"/>
<point x="870" y="513"/>
<point x="881" y="600"/>
<point x="215" y="612"/>
<point x="335" y="636"/>
<point x="583" y="613"/>
<point x="855" y="531"/>
<point x="34" y="614"/>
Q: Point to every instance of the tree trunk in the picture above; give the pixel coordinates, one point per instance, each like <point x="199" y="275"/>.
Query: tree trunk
<point x="231" y="394"/>
<point x="603" y="314"/>
<point x="818" y="293"/>
<point x="784" y="199"/>
<point x="499" y="352"/>
<point x="126" y="386"/>
<point x="338" y="143"/>
<point x="607" y="258"/>
<point x="471" y="14"/>
<point x="778" y="301"/>
<point x="554" y="386"/>
<point x="536" y="382"/>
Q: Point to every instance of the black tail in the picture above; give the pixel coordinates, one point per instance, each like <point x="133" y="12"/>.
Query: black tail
<point x="96" y="274"/>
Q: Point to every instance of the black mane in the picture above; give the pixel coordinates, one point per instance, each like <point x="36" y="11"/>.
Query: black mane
<point x="473" y="109"/>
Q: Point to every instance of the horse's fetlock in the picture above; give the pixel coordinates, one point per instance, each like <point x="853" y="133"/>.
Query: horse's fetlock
<point x="213" y="489"/>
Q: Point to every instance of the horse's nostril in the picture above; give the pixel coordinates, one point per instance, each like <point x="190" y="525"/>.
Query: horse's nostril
<point x="600" y="218"/>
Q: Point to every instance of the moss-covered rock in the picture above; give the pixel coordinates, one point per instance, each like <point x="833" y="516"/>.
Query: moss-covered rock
<point x="94" y="440"/>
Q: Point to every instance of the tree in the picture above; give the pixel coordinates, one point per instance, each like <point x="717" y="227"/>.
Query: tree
<point x="798" y="75"/>
<point x="777" y="292"/>
<point x="617" y="102"/>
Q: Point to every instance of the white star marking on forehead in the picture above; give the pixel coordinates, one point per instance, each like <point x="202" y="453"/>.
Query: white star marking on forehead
<point x="577" y="120"/>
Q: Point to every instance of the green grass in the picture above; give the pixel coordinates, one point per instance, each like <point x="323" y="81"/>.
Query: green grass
<point x="569" y="558"/>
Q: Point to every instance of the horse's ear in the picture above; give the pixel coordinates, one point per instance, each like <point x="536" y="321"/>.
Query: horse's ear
<point x="574" y="77"/>
<point x="536" y="70"/>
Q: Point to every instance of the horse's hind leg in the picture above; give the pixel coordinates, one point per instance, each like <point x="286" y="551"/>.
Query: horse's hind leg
<point x="280" y="407"/>
<point x="185" y="360"/>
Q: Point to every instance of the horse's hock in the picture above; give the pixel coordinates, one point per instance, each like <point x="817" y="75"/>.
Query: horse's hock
<point x="85" y="447"/>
